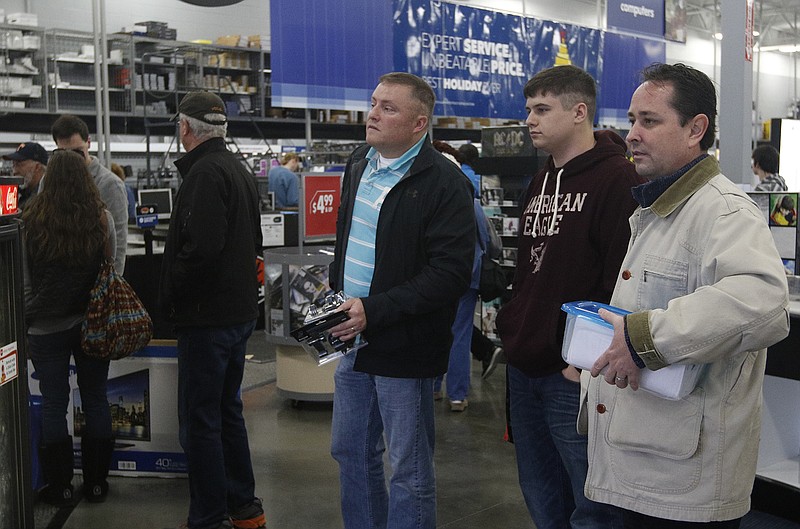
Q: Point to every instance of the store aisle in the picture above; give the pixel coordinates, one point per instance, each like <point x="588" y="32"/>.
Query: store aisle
<point x="298" y="479"/>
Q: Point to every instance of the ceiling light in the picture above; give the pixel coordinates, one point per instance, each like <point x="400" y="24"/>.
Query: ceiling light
<point x="718" y="36"/>
<point x="756" y="33"/>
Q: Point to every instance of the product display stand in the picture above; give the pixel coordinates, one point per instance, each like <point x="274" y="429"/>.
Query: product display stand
<point x="295" y="279"/>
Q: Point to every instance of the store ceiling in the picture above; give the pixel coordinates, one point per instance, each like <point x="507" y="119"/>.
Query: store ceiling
<point x="776" y="20"/>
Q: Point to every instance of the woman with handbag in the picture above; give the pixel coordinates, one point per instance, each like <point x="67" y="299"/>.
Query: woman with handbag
<point x="68" y="233"/>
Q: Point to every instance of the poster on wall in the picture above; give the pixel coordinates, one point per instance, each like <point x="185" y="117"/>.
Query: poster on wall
<point x="478" y="61"/>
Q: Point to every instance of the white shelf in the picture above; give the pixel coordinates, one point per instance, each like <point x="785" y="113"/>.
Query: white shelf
<point x="87" y="88"/>
<point x="786" y="472"/>
<point x="17" y="72"/>
<point x="82" y="60"/>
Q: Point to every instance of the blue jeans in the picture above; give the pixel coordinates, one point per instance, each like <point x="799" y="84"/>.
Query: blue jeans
<point x="364" y="407"/>
<point x="552" y="459"/>
<point x="50" y="354"/>
<point x="459" y="365"/>
<point x="212" y="429"/>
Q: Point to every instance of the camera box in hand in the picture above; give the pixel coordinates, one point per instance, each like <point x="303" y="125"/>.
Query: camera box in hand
<point x="587" y="336"/>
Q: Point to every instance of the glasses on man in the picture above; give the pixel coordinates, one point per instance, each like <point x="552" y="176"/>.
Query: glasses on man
<point x="79" y="151"/>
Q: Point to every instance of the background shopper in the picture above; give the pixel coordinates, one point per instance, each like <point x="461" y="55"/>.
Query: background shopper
<point x="766" y="161"/>
<point x="70" y="132"/>
<point x="458" y="367"/>
<point x="29" y="161"/>
<point x="285" y="182"/>
<point x="209" y="290"/>
<point x="62" y="263"/>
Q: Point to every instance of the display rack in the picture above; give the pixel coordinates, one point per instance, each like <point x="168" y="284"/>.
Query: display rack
<point x="509" y="160"/>
<point x="165" y="70"/>
<point x="71" y="75"/>
<point x="64" y="67"/>
<point x="22" y="69"/>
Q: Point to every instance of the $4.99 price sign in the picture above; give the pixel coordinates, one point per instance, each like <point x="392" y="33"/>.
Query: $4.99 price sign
<point x="322" y="194"/>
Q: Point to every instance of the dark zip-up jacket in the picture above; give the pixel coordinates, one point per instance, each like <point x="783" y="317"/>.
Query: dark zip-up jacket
<point x="208" y="277"/>
<point x="424" y="248"/>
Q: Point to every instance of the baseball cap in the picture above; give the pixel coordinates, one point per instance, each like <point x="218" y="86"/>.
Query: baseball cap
<point x="28" y="151"/>
<point x="198" y="104"/>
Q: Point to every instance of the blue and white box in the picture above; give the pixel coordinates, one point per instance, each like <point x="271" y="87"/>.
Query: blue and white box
<point x="587" y="336"/>
<point x="143" y="397"/>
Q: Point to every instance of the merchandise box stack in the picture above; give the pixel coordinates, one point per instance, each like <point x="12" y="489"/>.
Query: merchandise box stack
<point x="142" y="395"/>
<point x="158" y="30"/>
<point x="236" y="41"/>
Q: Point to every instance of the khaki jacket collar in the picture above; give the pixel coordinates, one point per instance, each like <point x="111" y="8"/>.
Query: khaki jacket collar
<point x="686" y="186"/>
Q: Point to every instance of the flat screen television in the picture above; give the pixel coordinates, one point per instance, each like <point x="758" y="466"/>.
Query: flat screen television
<point x="161" y="198"/>
<point x="129" y="399"/>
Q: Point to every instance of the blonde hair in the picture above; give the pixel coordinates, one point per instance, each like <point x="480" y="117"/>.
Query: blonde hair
<point x="118" y="170"/>
<point x="288" y="157"/>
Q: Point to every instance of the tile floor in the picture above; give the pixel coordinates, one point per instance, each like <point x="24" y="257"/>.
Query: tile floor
<point x="298" y="479"/>
<point x="477" y="486"/>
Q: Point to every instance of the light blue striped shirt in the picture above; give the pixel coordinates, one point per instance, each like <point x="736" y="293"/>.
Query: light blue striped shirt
<point x="359" y="261"/>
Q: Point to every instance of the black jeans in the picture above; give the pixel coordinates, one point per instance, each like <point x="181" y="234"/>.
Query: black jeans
<point x="212" y="429"/>
<point x="634" y="520"/>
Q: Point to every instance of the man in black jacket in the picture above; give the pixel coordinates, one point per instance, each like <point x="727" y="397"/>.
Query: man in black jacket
<point x="209" y="291"/>
<point x="404" y="250"/>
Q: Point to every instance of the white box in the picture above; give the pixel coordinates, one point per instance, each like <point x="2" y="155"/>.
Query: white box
<point x="22" y="19"/>
<point x="587" y="336"/>
<point x="143" y="395"/>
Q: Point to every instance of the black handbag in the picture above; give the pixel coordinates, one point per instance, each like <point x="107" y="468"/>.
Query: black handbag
<point x="493" y="279"/>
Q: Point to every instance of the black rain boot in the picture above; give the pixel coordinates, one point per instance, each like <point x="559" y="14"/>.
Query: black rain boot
<point x="57" y="461"/>
<point x="95" y="461"/>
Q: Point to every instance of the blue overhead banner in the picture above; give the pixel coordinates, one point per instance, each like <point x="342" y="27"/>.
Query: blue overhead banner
<point x="328" y="54"/>
<point x="640" y="16"/>
<point x="478" y="61"/>
<point x="624" y="58"/>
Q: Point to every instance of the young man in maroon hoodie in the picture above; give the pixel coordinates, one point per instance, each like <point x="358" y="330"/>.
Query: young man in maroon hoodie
<point x="573" y="235"/>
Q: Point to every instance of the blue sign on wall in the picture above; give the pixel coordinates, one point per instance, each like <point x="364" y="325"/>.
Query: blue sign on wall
<point x="625" y="57"/>
<point x="478" y="61"/>
<point x="330" y="55"/>
<point x="640" y="16"/>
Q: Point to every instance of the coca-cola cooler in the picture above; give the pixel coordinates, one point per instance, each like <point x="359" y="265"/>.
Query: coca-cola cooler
<point x="16" y="506"/>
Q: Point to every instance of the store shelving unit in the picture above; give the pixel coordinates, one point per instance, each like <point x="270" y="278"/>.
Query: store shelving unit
<point x="64" y="67"/>
<point x="509" y="157"/>
<point x="22" y="69"/>
<point x="166" y="70"/>
<point x="71" y="76"/>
